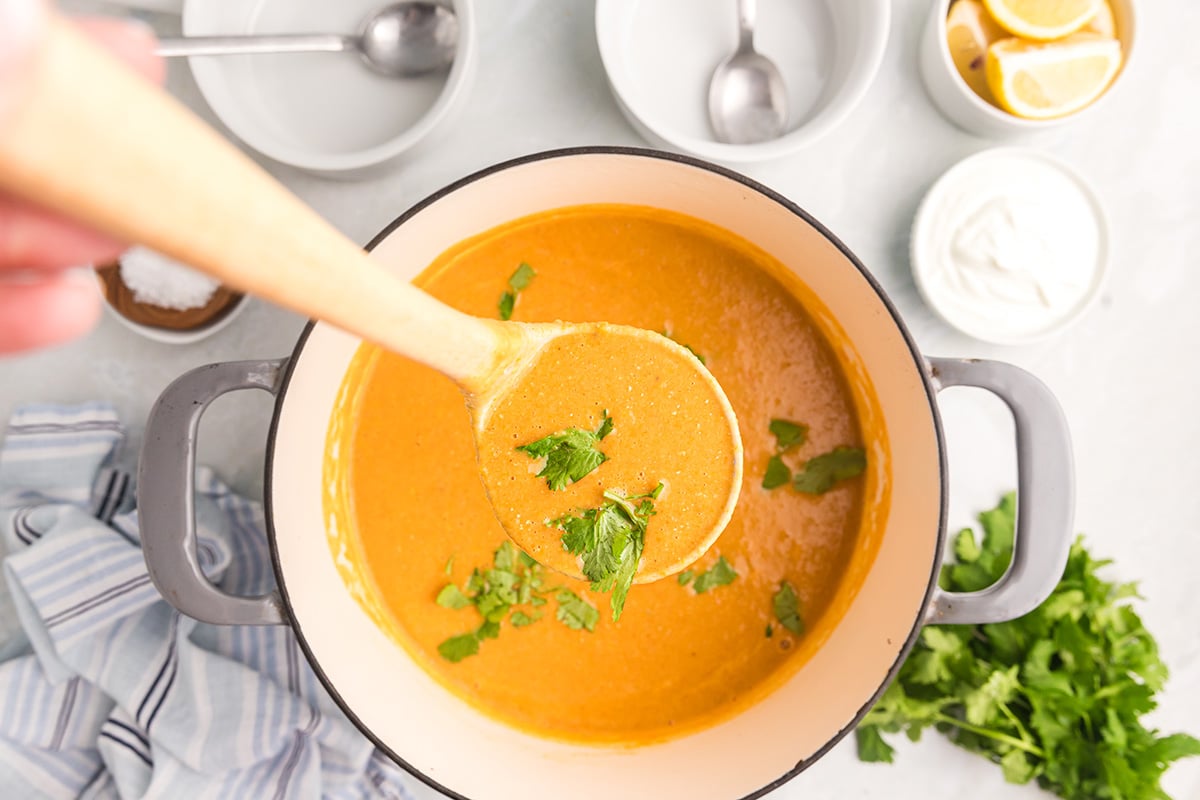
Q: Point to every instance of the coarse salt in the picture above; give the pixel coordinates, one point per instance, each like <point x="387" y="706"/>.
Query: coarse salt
<point x="156" y="280"/>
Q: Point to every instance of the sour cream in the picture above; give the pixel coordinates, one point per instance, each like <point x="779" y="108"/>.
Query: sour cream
<point x="1009" y="246"/>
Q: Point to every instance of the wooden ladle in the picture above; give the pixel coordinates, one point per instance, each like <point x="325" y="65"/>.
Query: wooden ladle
<point x="94" y="141"/>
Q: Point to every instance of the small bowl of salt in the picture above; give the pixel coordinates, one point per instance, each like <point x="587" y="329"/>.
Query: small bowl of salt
<point x="163" y="300"/>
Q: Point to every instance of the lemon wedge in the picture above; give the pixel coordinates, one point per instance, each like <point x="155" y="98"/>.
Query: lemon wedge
<point x="1105" y="22"/>
<point x="1042" y="20"/>
<point x="1042" y="81"/>
<point x="970" y="31"/>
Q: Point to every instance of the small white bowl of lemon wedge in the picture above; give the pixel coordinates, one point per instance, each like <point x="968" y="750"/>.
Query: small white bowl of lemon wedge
<point x="1010" y="68"/>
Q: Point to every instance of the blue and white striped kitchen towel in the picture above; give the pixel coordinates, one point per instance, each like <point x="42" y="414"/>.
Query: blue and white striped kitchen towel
<point x="109" y="692"/>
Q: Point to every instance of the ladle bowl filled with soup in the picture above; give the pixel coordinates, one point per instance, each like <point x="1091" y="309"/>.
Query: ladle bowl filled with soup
<point x="487" y="670"/>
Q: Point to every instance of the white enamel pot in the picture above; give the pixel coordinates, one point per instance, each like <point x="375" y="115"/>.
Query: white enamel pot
<point x="444" y="741"/>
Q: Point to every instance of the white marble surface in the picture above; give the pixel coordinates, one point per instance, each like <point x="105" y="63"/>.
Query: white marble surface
<point x="1127" y="374"/>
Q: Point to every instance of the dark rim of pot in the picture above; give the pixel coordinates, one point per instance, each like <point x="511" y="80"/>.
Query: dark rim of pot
<point x="918" y="359"/>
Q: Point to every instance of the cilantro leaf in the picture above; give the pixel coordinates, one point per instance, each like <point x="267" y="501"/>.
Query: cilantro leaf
<point x="508" y="302"/>
<point x="517" y="282"/>
<point x="452" y="597"/>
<point x="822" y="472"/>
<point x="449" y="566"/>
<point x="871" y="745"/>
<point x="520" y="619"/>
<point x="966" y="549"/>
<point x="505" y="557"/>
<point x="570" y="455"/>
<point x="787" y="609"/>
<point x="777" y="474"/>
<point x="703" y="361"/>
<point x="610" y="540"/>
<point x="788" y="434"/>
<point x="520" y="280"/>
<point x="721" y="573"/>
<point x="685" y="577"/>
<point x="456" y="648"/>
<point x="770" y="631"/>
<point x="1055" y="696"/>
<point x="575" y="612"/>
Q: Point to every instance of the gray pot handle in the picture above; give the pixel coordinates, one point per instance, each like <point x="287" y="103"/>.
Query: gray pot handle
<point x="1045" y="495"/>
<point x="166" y="479"/>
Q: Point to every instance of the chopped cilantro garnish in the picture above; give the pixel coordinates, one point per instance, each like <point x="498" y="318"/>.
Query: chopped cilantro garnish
<point x="449" y="565"/>
<point x="520" y="619"/>
<point x="685" y="577"/>
<point x="822" y="472"/>
<point x="787" y="609"/>
<point x="512" y="581"/>
<point x="507" y="301"/>
<point x="1055" y="696"/>
<point x="517" y="282"/>
<point x="770" y="631"/>
<point x="456" y="648"/>
<point x="703" y="361"/>
<point x="452" y="597"/>
<point x="610" y="540"/>
<point x="575" y="612"/>
<point x="719" y="574"/>
<point x="788" y="434"/>
<point x="570" y="455"/>
<point x="777" y="474"/>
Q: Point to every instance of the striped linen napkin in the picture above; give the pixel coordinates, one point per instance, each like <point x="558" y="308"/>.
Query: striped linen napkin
<point x="107" y="691"/>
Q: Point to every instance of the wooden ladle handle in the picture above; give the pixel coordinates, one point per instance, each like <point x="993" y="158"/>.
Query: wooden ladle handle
<point x="96" y="142"/>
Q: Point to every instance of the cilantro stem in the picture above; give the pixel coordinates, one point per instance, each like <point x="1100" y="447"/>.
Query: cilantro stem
<point x="1025" y="737"/>
<point x="990" y="734"/>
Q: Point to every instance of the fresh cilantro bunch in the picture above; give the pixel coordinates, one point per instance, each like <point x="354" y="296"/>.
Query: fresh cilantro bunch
<point x="570" y="455"/>
<point x="511" y="589"/>
<point x="610" y="540"/>
<point x="1055" y="696"/>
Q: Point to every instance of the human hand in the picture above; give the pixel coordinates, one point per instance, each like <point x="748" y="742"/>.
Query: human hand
<point x="42" y="301"/>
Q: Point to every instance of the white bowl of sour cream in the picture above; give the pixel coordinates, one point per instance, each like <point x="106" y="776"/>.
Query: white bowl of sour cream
<point x="1010" y="246"/>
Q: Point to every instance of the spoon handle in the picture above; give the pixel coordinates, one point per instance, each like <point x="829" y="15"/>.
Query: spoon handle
<point x="236" y="45"/>
<point x="747" y="11"/>
<point x="98" y="143"/>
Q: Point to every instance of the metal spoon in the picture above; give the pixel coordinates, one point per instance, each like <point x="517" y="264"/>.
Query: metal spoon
<point x="747" y="101"/>
<point x="412" y="37"/>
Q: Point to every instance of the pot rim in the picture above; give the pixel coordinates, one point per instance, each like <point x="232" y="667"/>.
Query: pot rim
<point x="638" y="152"/>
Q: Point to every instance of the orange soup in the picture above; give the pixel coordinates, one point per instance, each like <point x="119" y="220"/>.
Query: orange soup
<point x="668" y="425"/>
<point x="428" y="560"/>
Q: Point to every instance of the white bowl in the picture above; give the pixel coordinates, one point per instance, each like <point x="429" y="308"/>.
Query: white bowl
<point x="323" y="112"/>
<point x="941" y="199"/>
<point x="959" y="103"/>
<point x="660" y="54"/>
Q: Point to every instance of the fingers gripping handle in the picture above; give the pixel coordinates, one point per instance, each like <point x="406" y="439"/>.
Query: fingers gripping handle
<point x="166" y="484"/>
<point x="1045" y="495"/>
